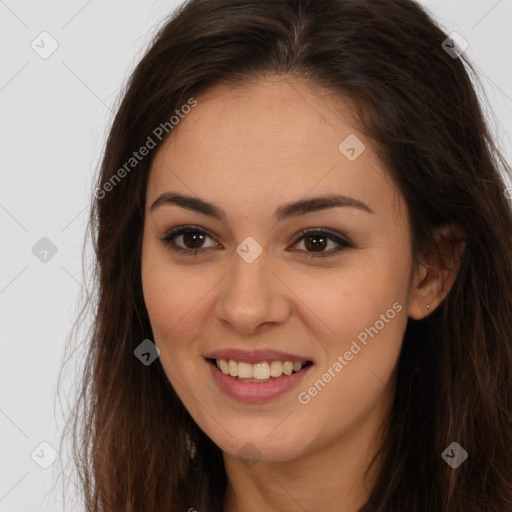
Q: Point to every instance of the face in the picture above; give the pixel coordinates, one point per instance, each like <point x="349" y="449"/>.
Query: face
<point x="249" y="279"/>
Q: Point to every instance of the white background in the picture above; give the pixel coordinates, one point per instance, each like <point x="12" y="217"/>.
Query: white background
<point x="55" y="113"/>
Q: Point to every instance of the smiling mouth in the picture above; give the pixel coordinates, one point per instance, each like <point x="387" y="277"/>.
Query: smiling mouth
<point x="265" y="371"/>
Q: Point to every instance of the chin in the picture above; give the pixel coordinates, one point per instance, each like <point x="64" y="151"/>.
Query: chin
<point x="259" y="447"/>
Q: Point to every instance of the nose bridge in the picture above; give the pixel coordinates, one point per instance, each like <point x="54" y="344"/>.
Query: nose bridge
<point x="250" y="294"/>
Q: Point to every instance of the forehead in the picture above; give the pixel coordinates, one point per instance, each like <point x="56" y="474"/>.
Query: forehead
<point x="276" y="138"/>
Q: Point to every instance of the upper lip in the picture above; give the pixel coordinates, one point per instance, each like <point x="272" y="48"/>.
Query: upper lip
<point x="255" y="356"/>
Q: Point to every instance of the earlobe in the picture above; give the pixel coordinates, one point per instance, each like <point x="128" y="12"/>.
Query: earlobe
<point x="436" y="275"/>
<point x="430" y="292"/>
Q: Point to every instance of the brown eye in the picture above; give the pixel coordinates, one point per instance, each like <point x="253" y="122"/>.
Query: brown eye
<point x="317" y="241"/>
<point x="193" y="239"/>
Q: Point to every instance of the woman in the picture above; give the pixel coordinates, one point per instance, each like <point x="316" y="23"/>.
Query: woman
<point x="303" y="249"/>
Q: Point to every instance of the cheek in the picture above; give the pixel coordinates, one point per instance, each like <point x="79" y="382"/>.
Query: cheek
<point x="346" y="301"/>
<point x="176" y="298"/>
<point x="170" y="291"/>
<point x="354" y="377"/>
<point x="165" y="297"/>
<point x="364" y="308"/>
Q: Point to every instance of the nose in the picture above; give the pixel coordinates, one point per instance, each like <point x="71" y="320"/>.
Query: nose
<point x="252" y="297"/>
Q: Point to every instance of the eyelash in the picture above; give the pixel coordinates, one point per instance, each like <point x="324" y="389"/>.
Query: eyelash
<point x="343" y="244"/>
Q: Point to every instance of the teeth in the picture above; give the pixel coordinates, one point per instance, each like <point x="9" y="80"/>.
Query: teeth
<point x="244" y="370"/>
<point x="258" y="371"/>
<point x="276" y="369"/>
<point x="288" y="368"/>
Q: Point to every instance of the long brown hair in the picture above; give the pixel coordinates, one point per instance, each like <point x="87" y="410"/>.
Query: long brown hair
<point x="418" y="104"/>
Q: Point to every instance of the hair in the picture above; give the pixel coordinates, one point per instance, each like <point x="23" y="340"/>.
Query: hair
<point x="132" y="435"/>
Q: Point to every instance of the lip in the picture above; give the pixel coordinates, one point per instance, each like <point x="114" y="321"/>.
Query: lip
<point x="256" y="356"/>
<point x="256" y="392"/>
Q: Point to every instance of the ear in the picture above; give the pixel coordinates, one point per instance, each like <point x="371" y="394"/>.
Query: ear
<point x="434" y="276"/>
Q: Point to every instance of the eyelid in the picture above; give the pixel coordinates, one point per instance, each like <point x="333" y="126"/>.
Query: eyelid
<point x="342" y="241"/>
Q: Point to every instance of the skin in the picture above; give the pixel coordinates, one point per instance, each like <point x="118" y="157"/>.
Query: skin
<point x="249" y="149"/>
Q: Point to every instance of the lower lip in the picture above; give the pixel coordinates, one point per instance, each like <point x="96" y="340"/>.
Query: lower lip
<point x="255" y="392"/>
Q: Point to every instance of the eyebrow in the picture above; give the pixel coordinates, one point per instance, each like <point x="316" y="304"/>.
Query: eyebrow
<point x="285" y="211"/>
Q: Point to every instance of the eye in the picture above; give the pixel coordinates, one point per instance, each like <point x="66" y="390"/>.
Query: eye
<point x="315" y="241"/>
<point x="192" y="239"/>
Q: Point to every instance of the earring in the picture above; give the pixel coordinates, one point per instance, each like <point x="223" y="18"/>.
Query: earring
<point x="428" y="307"/>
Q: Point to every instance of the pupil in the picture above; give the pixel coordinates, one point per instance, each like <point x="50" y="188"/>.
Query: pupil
<point x="315" y="245"/>
<point x="193" y="238"/>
